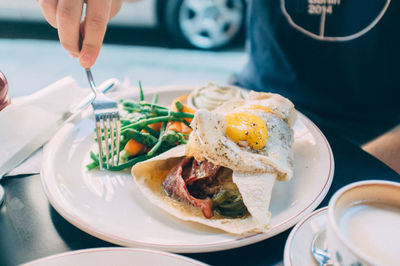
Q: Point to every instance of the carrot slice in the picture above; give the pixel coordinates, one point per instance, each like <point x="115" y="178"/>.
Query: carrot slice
<point x="156" y="126"/>
<point x="179" y="126"/>
<point x="185" y="129"/>
<point x="176" y="126"/>
<point x="181" y="98"/>
<point x="185" y="109"/>
<point x="133" y="147"/>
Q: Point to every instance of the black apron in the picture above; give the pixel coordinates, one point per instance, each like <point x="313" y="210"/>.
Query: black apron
<point x="337" y="60"/>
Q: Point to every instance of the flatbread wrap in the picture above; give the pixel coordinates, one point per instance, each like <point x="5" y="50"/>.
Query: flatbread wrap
<point x="223" y="177"/>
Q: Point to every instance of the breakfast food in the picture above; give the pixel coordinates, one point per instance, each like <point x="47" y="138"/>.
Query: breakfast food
<point x="147" y="130"/>
<point x="223" y="176"/>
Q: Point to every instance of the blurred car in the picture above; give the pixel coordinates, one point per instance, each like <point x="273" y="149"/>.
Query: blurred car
<point x="204" y="24"/>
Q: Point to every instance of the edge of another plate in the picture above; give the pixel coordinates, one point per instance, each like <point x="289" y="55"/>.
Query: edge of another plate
<point x="127" y="253"/>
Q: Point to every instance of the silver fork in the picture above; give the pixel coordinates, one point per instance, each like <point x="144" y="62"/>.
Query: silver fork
<point x="107" y="122"/>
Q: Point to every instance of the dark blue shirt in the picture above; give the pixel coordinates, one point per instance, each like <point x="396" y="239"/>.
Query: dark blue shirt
<point x="338" y="59"/>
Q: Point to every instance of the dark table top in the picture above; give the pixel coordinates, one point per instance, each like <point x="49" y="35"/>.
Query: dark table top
<point x="30" y="228"/>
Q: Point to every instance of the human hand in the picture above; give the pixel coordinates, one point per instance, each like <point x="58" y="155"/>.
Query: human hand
<point x="81" y="38"/>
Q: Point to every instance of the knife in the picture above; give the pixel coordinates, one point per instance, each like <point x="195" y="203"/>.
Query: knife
<point x="42" y="137"/>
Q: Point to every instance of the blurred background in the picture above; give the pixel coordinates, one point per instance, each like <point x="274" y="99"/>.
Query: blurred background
<point x="201" y="24"/>
<point x="159" y="42"/>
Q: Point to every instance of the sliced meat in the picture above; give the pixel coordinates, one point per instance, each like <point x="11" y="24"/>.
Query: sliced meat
<point x="175" y="186"/>
<point x="204" y="171"/>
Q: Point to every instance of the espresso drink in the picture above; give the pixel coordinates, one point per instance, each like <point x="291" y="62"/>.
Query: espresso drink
<point x="375" y="229"/>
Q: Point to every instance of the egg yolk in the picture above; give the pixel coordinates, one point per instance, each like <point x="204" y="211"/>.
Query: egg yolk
<point x="247" y="127"/>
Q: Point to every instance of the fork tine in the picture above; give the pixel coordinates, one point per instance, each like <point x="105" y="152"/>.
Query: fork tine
<point x="111" y="121"/>
<point x="118" y="123"/>
<point x="106" y="121"/>
<point x="99" y="141"/>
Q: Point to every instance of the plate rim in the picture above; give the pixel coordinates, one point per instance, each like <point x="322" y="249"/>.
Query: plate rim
<point x="126" y="250"/>
<point x="192" y="248"/>
<point x="288" y="245"/>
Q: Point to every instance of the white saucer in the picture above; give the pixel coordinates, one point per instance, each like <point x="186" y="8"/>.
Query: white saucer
<point x="298" y="244"/>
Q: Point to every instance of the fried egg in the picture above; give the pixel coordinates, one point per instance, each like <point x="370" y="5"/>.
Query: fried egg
<point x="250" y="136"/>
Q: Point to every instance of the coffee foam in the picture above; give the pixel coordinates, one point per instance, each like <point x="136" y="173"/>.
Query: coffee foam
<point x="374" y="228"/>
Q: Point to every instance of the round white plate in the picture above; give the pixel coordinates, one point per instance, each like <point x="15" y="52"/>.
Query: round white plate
<point x="115" y="256"/>
<point x="298" y="244"/>
<point x="108" y="205"/>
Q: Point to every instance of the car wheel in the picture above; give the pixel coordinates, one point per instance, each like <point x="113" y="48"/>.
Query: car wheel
<point x="204" y="24"/>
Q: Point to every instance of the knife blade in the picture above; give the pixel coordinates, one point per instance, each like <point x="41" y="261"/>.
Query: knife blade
<point x="43" y="136"/>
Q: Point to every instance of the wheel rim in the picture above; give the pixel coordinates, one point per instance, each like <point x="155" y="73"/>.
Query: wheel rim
<point x="210" y="23"/>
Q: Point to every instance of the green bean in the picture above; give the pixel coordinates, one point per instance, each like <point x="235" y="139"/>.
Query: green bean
<point x="141" y="137"/>
<point x="119" y="167"/>
<point x="138" y="116"/>
<point x="141" y="91"/>
<point x="92" y="165"/>
<point x="140" y="105"/>
<point x="132" y="109"/>
<point x="94" y="157"/>
<point x="125" y="122"/>
<point x="131" y="104"/>
<point x="124" y="156"/>
<point x="175" y="114"/>
<point x="153" y="120"/>
<point x="171" y="138"/>
<point x="146" y="104"/>
<point x="179" y="106"/>
<point x="152" y="132"/>
<point x="154" y="102"/>
<point x="160" y="139"/>
<point x="130" y="163"/>
<point x="145" y="122"/>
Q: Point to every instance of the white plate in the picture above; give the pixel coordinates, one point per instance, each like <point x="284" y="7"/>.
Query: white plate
<point x="298" y="244"/>
<point x="115" y="256"/>
<point x="108" y="205"/>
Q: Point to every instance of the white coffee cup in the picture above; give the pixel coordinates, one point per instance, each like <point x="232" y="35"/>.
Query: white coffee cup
<point x="363" y="226"/>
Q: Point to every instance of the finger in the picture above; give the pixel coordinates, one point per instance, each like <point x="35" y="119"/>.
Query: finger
<point x="115" y="7"/>
<point x="95" y="24"/>
<point x="49" y="8"/>
<point x="68" y="17"/>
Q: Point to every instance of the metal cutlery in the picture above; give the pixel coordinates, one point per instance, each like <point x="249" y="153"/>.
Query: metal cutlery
<point x="43" y="136"/>
<point x="108" y="125"/>
<point x="319" y="249"/>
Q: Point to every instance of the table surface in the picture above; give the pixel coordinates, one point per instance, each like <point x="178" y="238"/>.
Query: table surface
<point x="30" y="228"/>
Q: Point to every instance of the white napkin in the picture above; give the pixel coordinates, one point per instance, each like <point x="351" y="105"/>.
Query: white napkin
<point x="18" y="121"/>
